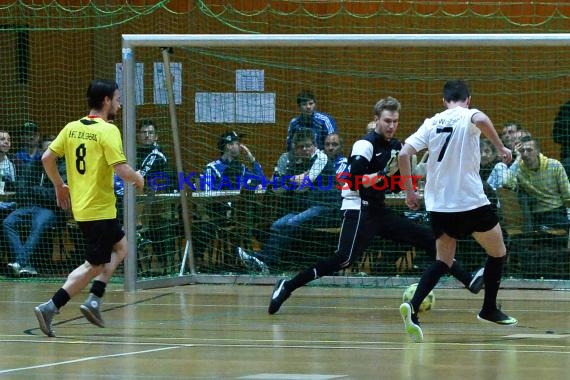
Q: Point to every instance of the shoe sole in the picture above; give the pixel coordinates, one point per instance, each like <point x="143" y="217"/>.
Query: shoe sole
<point x="414" y="331"/>
<point x="42" y="322"/>
<point x="512" y="324"/>
<point x="91" y="317"/>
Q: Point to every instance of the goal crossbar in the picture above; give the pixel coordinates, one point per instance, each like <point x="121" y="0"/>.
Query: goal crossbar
<point x="293" y="40"/>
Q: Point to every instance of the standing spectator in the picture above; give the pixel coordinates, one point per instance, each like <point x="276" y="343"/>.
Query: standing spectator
<point x="561" y="134"/>
<point x="454" y="196"/>
<point x="320" y="123"/>
<point x="37" y="211"/>
<point x="373" y="158"/>
<point x="93" y="149"/>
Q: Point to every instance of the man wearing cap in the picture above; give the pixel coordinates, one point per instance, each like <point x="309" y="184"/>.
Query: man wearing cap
<point x="30" y="149"/>
<point x="228" y="172"/>
<point x="225" y="173"/>
<point x="320" y="123"/>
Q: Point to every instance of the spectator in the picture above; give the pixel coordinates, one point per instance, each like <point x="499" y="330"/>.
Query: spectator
<point x="508" y="133"/>
<point x="320" y="123"/>
<point x="227" y="172"/>
<point x="30" y="144"/>
<point x="36" y="214"/>
<point x="150" y="159"/>
<point x="334" y="145"/>
<point x="7" y="168"/>
<point x="543" y="187"/>
<point x="561" y="134"/>
<point x="370" y="126"/>
<point x="494" y="172"/>
<point x="7" y="181"/>
<point x="310" y="207"/>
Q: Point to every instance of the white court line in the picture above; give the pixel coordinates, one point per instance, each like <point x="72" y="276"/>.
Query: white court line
<point x="378" y="345"/>
<point x="90" y="358"/>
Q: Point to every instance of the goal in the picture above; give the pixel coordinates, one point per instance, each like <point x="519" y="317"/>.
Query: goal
<point x="198" y="87"/>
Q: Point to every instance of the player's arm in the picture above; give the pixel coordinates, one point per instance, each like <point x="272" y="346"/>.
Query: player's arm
<point x="359" y="164"/>
<point x="129" y="175"/>
<point x="49" y="161"/>
<point x="484" y="123"/>
<point x="404" y="162"/>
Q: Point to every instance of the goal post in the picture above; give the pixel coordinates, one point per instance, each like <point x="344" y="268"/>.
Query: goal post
<point x="422" y="60"/>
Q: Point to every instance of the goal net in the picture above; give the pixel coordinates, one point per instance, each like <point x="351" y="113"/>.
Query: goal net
<point x="206" y="87"/>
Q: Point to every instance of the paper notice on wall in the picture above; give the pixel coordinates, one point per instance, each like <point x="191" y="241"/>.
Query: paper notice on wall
<point x="215" y="107"/>
<point x="254" y="107"/>
<point x="139" y="81"/>
<point x="250" y="80"/>
<point x="159" y="80"/>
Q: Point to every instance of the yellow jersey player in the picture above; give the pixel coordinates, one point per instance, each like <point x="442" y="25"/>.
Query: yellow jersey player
<point x="93" y="150"/>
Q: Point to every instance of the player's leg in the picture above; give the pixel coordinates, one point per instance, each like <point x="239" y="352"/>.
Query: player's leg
<point x="401" y="229"/>
<point x="111" y="248"/>
<point x="357" y="230"/>
<point x="492" y="242"/>
<point x="409" y="310"/>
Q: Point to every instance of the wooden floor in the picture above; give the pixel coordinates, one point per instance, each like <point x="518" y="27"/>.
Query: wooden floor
<point x="224" y="332"/>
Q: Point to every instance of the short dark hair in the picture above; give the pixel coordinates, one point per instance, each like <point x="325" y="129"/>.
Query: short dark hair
<point x="305" y="96"/>
<point x="146" y="122"/>
<point x="525" y="139"/>
<point x="304" y="134"/>
<point x="456" y="91"/>
<point x="98" y="90"/>
<point x="512" y="123"/>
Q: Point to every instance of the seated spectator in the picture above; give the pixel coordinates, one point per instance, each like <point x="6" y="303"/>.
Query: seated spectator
<point x="508" y="133"/>
<point x="29" y="144"/>
<point x="37" y="213"/>
<point x="226" y="172"/>
<point x="150" y="159"/>
<point x="494" y="172"/>
<point x="7" y="168"/>
<point x="543" y="187"/>
<point x="561" y="134"/>
<point x="320" y="123"/>
<point x="309" y="207"/>
<point x="334" y="145"/>
<point x="8" y="180"/>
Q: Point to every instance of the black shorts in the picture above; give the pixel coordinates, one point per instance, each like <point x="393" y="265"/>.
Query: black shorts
<point x="459" y="225"/>
<point x="101" y="236"/>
